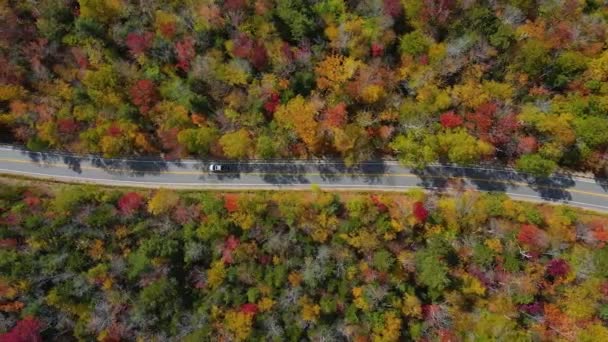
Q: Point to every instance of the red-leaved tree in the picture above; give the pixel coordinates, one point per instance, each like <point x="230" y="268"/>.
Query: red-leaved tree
<point x="185" y="213"/>
<point x="138" y="43"/>
<point x="249" y="308"/>
<point x="532" y="236"/>
<point x="258" y="56"/>
<point x="392" y="8"/>
<point x="272" y="103"/>
<point x="450" y="120"/>
<point x="480" y="122"/>
<point x="377" y="50"/>
<point x="67" y="125"/>
<point x="185" y="53"/>
<point x="242" y="45"/>
<point x="378" y="203"/>
<point x="130" y="203"/>
<point x="504" y="129"/>
<point x="231" y="202"/>
<point x="31" y="199"/>
<point x="527" y="144"/>
<point x="336" y="116"/>
<point x="230" y="245"/>
<point x="420" y="212"/>
<point x="558" y="268"/>
<point x="26" y="330"/>
<point x="143" y="95"/>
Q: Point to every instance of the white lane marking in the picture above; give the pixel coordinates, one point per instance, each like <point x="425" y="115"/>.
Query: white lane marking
<point x="287" y="186"/>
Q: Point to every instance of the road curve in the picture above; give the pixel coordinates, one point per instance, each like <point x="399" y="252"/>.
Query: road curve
<point x="289" y="174"/>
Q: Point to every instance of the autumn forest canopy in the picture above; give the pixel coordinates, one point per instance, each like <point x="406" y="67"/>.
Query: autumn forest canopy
<point x="511" y="82"/>
<point x="85" y="263"/>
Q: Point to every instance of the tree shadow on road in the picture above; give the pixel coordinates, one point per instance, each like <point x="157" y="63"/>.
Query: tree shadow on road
<point x="554" y="188"/>
<point x="374" y="171"/>
<point x="47" y="159"/>
<point x="130" y="167"/>
<point x="496" y="180"/>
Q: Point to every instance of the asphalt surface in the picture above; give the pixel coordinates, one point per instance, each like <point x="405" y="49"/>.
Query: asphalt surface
<point x="374" y="175"/>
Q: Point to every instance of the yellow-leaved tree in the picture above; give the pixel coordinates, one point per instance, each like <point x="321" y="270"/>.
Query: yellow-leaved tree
<point x="299" y="116"/>
<point x="334" y="71"/>
<point x="162" y="201"/>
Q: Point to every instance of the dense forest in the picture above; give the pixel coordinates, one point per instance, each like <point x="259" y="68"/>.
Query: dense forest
<point x="79" y="262"/>
<point x="509" y="82"/>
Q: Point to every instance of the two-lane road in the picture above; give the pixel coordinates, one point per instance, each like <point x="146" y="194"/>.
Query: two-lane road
<point x="289" y="174"/>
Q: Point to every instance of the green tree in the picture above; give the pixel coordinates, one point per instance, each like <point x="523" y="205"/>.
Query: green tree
<point x="158" y="305"/>
<point x="198" y="140"/>
<point x="566" y="67"/>
<point x="416" y="148"/>
<point x="462" y="148"/>
<point x="414" y="43"/>
<point x="297" y="15"/>
<point x="592" y="130"/>
<point x="431" y="268"/>
<point x="265" y="147"/>
<point x="532" y="58"/>
<point x="536" y="165"/>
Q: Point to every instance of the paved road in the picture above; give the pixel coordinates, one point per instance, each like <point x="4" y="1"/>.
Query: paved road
<point x="377" y="175"/>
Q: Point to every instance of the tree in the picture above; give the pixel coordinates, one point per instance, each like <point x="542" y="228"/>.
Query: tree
<point x="144" y="95"/>
<point x="566" y="68"/>
<point x="535" y="165"/>
<point x="26" y="330"/>
<point x="157" y="304"/>
<point x="333" y="72"/>
<point x="129" y="203"/>
<point x="352" y="143"/>
<point x="236" y="144"/>
<point x="532" y="236"/>
<point x="168" y="115"/>
<point x="297" y="16"/>
<point x="532" y="58"/>
<point x="185" y="52"/>
<point x="414" y="43"/>
<point x="592" y="130"/>
<point x="198" y="140"/>
<point x="336" y="116"/>
<point x="416" y="149"/>
<point x="139" y="43"/>
<point x="431" y="269"/>
<point x="162" y="201"/>
<point x="450" y="120"/>
<point x="482" y="119"/>
<point x="102" y="10"/>
<point x="527" y="144"/>
<point x="420" y="212"/>
<point x="558" y="268"/>
<point x="67" y="126"/>
<point x="265" y="147"/>
<point x="299" y="115"/>
<point x="462" y="148"/>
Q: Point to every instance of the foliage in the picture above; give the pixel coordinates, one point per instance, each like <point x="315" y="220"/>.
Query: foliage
<point x="236" y="144"/>
<point x="268" y="266"/>
<point x="521" y="83"/>
<point x="536" y="165"/>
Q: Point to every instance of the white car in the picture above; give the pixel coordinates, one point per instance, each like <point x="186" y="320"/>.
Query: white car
<point x="215" y="168"/>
